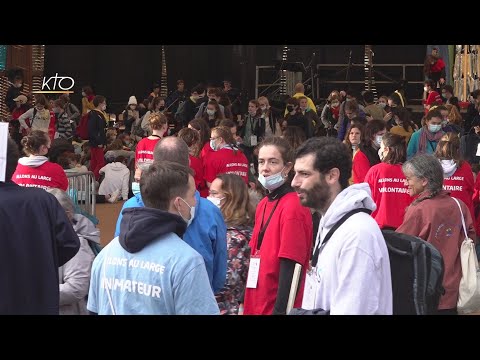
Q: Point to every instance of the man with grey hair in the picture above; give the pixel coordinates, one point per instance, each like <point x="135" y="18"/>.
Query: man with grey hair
<point x="436" y="217"/>
<point x="207" y="232"/>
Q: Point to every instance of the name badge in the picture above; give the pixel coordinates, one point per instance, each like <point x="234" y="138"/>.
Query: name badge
<point x="253" y="140"/>
<point x="310" y="290"/>
<point x="253" y="271"/>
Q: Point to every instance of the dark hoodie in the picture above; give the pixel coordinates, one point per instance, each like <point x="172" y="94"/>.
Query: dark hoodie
<point x="141" y="226"/>
<point x="469" y="145"/>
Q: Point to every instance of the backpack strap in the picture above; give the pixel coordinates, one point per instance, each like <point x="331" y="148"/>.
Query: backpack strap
<point x="33" y="116"/>
<point x="419" y="252"/>
<point x="332" y="230"/>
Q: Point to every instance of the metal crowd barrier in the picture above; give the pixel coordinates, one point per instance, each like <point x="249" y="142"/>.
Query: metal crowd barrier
<point x="81" y="189"/>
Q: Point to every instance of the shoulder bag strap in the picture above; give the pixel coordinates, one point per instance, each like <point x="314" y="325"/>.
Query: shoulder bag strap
<point x="332" y="230"/>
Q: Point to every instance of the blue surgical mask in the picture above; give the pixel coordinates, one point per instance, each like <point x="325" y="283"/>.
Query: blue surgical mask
<point x="212" y="145"/>
<point x="434" y="128"/>
<point x="272" y="182"/>
<point x="135" y="188"/>
<point x="192" y="213"/>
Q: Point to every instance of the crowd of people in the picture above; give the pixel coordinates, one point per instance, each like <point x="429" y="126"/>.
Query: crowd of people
<point x="220" y="206"/>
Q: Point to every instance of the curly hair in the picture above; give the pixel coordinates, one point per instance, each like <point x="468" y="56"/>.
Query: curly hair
<point x="32" y="142"/>
<point x="192" y="139"/>
<point x="329" y="153"/>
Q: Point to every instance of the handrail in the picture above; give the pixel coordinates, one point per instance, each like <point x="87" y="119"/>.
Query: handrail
<point x="344" y="68"/>
<point x="81" y="189"/>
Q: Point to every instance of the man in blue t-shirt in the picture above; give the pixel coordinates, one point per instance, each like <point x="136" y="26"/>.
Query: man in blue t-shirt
<point x="148" y="268"/>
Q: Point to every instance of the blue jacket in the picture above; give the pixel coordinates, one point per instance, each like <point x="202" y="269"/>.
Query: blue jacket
<point x="207" y="234"/>
<point x="412" y="148"/>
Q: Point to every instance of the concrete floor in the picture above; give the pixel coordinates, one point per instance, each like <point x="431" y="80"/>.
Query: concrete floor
<point x="107" y="215"/>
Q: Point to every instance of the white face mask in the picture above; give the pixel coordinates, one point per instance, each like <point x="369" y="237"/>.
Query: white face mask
<point x="272" y="182"/>
<point x="135" y="188"/>
<point x="382" y="105"/>
<point x="381" y="153"/>
<point x="434" y="128"/>
<point x="425" y="88"/>
<point x="263" y="107"/>
<point x="83" y="93"/>
<point x="192" y="213"/>
<point x="210" y="112"/>
<point x="378" y="139"/>
<point x="215" y="201"/>
<point x="104" y="107"/>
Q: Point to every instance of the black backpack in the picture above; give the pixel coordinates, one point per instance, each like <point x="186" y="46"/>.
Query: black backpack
<point x="416" y="267"/>
<point x="417" y="274"/>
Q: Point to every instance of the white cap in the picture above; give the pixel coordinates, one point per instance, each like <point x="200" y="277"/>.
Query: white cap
<point x="21" y="98"/>
<point x="132" y="100"/>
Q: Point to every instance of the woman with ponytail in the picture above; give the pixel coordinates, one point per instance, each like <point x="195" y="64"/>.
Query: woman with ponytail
<point x="35" y="170"/>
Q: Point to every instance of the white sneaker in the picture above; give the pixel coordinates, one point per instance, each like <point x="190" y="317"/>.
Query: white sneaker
<point x="114" y="196"/>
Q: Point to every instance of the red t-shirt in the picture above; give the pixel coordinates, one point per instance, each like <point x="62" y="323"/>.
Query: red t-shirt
<point x="360" y="167"/>
<point x="289" y="236"/>
<point x="438" y="66"/>
<point x="17" y="112"/>
<point x="44" y="176"/>
<point x="144" y="150"/>
<point x="390" y="193"/>
<point x="460" y="185"/>
<point x="197" y="166"/>
<point x="52" y="126"/>
<point x="206" y="150"/>
<point x="225" y="161"/>
<point x="433" y="99"/>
